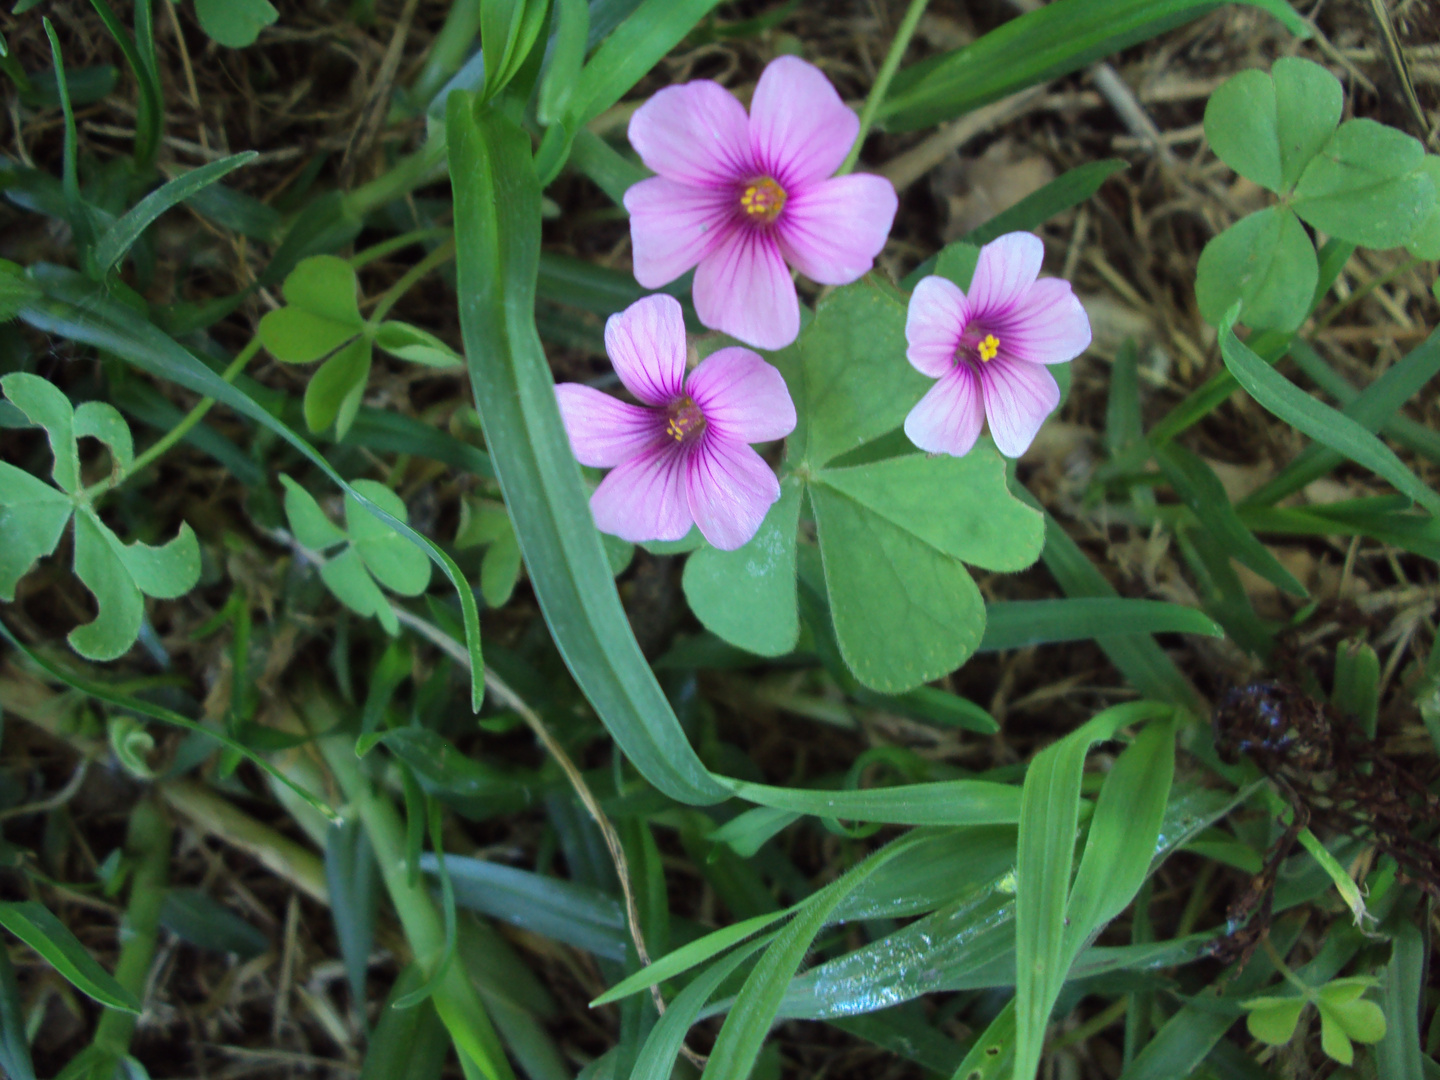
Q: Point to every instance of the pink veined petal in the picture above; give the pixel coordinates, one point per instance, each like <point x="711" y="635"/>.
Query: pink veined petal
<point x="831" y="231"/>
<point x="644" y="498"/>
<point x="604" y="431"/>
<point x="1018" y="397"/>
<point x="743" y="288"/>
<point x="1047" y="326"/>
<point x="1008" y="266"/>
<point x="948" y="418"/>
<point x="646" y="343"/>
<point x="800" y="130"/>
<point x="743" y="398"/>
<point x="673" y="226"/>
<point x="730" y="489"/>
<point x="696" y="133"/>
<point x="937" y="316"/>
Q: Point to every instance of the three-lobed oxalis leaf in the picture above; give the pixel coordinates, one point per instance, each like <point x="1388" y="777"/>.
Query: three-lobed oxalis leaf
<point x="33" y="515"/>
<point x="1345" y="1016"/>
<point x="486" y="522"/>
<point x="896" y="528"/>
<point x="1359" y="181"/>
<point x="372" y="550"/>
<point x="321" y="320"/>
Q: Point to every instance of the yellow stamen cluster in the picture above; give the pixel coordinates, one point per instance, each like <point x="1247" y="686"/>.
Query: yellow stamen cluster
<point x="762" y="200"/>
<point x="686" y="420"/>
<point x="989" y="347"/>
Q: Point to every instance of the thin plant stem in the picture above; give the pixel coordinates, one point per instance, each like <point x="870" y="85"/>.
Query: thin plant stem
<point x="876" y="98"/>
<point x="163" y="444"/>
<point x="395" y="243"/>
<point x="1364" y="291"/>
<point x="437" y="258"/>
<point x="148" y="844"/>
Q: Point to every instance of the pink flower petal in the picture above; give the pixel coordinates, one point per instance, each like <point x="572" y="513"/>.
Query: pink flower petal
<point x="1047" y="326"/>
<point x="948" y="418"/>
<point x="646" y="343"/>
<point x="743" y="288"/>
<point x="1008" y="266"/>
<point x="1018" y="397"/>
<point x="937" y="316"/>
<point x="800" y="130"/>
<point x="604" y="431"/>
<point x="644" y="498"/>
<point x="832" y="230"/>
<point x="673" y="226"/>
<point x="743" y="398"/>
<point x="730" y="489"/>
<point x="696" y="133"/>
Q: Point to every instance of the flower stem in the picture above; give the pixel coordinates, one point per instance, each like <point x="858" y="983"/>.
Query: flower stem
<point x="882" y="80"/>
<point x="439" y="257"/>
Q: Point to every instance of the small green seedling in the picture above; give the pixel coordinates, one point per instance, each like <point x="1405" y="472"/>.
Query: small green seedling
<point x="321" y="320"/>
<point x="1345" y="1016"/>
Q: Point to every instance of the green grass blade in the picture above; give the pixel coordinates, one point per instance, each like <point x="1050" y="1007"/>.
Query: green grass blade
<point x="1035" y="47"/>
<point x="1397" y="1055"/>
<point x="116" y="241"/>
<point x="75" y="308"/>
<point x="1201" y="490"/>
<point x="1284" y="399"/>
<point x="745" y="1028"/>
<point x="686" y="957"/>
<point x="994" y="1051"/>
<point x="34" y="924"/>
<point x="1019" y="623"/>
<point x="628" y="54"/>
<point x="948" y="802"/>
<point x="15" y="1061"/>
<point x="149" y="113"/>
<point x="1049" y="817"/>
<point x="1373" y="409"/>
<point x="497" y="229"/>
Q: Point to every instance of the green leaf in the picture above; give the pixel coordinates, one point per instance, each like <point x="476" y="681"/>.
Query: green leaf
<point x="416" y="345"/>
<point x="1280" y="396"/>
<point x="947" y="802"/>
<point x="894" y="535"/>
<point x="15" y="289"/>
<point x="321" y="312"/>
<point x="629" y="54"/>
<point x="1268" y="127"/>
<point x="32" y="517"/>
<point x="567" y="56"/>
<point x="197" y="918"/>
<point x="1049" y="817"/>
<point x="101" y="420"/>
<point x="1017" y="624"/>
<point x="500" y="569"/>
<point x="1425" y="244"/>
<point x="993" y="1054"/>
<point x="681" y="960"/>
<point x="847" y="373"/>
<point x="45" y="406"/>
<point x="347" y="578"/>
<point x="1199" y="487"/>
<point x="497" y="226"/>
<point x="335" y="391"/>
<point x="1038" y="46"/>
<point x="1356" y="693"/>
<point x="1333" y="1039"/>
<point x="37" y="927"/>
<point x="747" y="596"/>
<point x="353" y="881"/>
<point x="1368" y="185"/>
<point x="100" y="569"/>
<point x="410" y="1043"/>
<point x="234" y="24"/>
<point x="1398" y="1055"/>
<point x="1069" y="189"/>
<point x="1272" y="1020"/>
<point x="1265" y="262"/>
<point x="307" y="521"/>
<point x="396" y="563"/>
<point x="117" y="239"/>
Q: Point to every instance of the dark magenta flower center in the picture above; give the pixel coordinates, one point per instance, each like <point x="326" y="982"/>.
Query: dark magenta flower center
<point x="685" y="422"/>
<point x="761" y="200"/>
<point x="978" y="345"/>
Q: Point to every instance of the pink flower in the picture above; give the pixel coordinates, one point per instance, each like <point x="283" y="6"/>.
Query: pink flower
<point x="989" y="348"/>
<point x="682" y="456"/>
<point x="740" y="196"/>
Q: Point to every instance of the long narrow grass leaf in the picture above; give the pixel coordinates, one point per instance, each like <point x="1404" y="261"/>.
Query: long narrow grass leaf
<point x="1016" y="624"/>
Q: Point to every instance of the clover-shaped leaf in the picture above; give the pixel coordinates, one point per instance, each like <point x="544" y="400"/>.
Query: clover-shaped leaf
<point x="1267" y="262"/>
<point x="1425" y="244"/>
<point x="321" y="318"/>
<point x="373" y="550"/>
<point x="1273" y="1019"/>
<point x="1346" y="1016"/>
<point x="1368" y="184"/>
<point x="1268" y="127"/>
<point x="234" y="23"/>
<point x="895" y="528"/>
<point x="33" y="516"/>
<point x="486" y="522"/>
